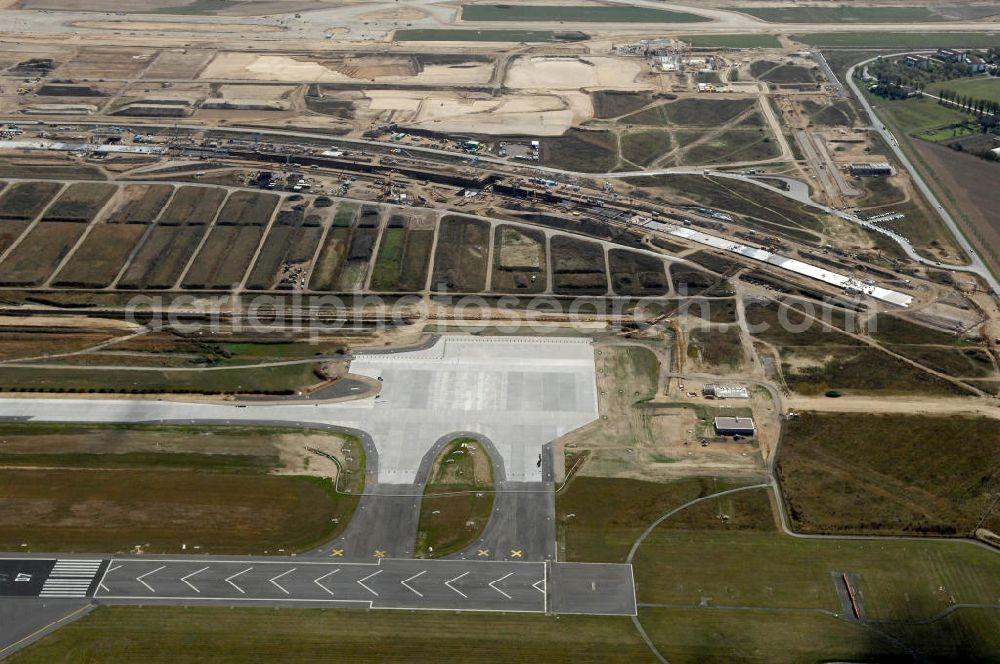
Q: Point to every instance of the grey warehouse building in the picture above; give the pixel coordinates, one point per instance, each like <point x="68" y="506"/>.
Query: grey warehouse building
<point x="735" y="426"/>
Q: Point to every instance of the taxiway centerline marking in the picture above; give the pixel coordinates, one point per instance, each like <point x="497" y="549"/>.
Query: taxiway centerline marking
<point x="190" y="585"/>
<point x="448" y="583"/>
<point x="317" y="581"/>
<point x="140" y="578"/>
<point x="274" y="581"/>
<point x="230" y="580"/>
<point x="409" y="587"/>
<point x="362" y="584"/>
<point x="498" y="581"/>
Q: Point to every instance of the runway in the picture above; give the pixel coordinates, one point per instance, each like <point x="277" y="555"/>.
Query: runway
<point x="385" y="583"/>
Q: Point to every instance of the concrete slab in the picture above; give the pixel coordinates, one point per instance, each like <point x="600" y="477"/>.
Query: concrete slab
<point x="520" y="392"/>
<point x="592" y="588"/>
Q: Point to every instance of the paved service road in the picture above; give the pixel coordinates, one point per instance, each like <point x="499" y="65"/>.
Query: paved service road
<point x="386" y="583"/>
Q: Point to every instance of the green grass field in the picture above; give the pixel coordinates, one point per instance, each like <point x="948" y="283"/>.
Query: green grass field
<point x="449" y="523"/>
<point x="576" y="14"/>
<point x="851" y="473"/>
<point x="841" y="14"/>
<point x="458" y="35"/>
<point x="979" y="87"/>
<point x="236" y="636"/>
<point x="900" y="39"/>
<point x="918" y="114"/>
<point x="731" y="41"/>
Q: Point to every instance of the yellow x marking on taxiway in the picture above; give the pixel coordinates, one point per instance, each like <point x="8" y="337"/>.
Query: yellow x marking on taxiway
<point x="379" y="554"/>
<point x="515" y="553"/>
<point x="337" y="553"/>
<point x="483" y="553"/>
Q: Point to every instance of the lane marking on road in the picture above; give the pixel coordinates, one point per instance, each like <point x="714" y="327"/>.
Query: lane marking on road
<point x="275" y="580"/>
<point x="409" y="587"/>
<point x="230" y="580"/>
<point x="140" y="578"/>
<point x="361" y="582"/>
<point x="317" y="581"/>
<point x="190" y="585"/>
<point x="448" y="583"/>
<point x="498" y="581"/>
<point x="535" y="586"/>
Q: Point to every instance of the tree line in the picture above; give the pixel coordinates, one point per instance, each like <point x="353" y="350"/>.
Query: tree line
<point x="978" y="107"/>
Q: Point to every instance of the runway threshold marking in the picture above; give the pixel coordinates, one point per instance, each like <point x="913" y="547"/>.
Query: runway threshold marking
<point x="143" y="576"/>
<point x="275" y="583"/>
<point x="191" y="585"/>
<point x="361" y="582"/>
<point x="448" y="583"/>
<point x="409" y="587"/>
<point x="230" y="580"/>
<point x="498" y="581"/>
<point x="317" y="581"/>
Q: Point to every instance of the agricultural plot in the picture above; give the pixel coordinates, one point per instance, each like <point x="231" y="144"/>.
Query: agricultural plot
<point x="224" y="257"/>
<point x="286" y="255"/>
<point x="10" y="231"/>
<point x="519" y="260"/>
<point x="248" y="208"/>
<point x="403" y="256"/>
<point x="40" y="253"/>
<point x="460" y="259"/>
<point x="162" y="258"/>
<point x="578" y="267"/>
<point x="140" y="204"/>
<point x="360" y="249"/>
<point x="101" y="256"/>
<point x="193" y="206"/>
<point x="615" y="103"/>
<point x="80" y="202"/>
<point x="581" y="150"/>
<point x="23" y="201"/>
<point x="689" y="280"/>
<point x="692" y="112"/>
<point x="326" y="271"/>
<point x="781" y="74"/>
<point x="636" y="274"/>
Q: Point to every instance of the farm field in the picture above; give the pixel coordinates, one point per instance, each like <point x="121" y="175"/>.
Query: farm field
<point x="898" y="39"/>
<point x="575" y="14"/>
<point x="403" y="256"/>
<point x="193" y="206"/>
<point x="578" y="267"/>
<point x="916" y="14"/>
<point x="731" y="41"/>
<point x="636" y="274"/>
<point x="980" y="87"/>
<point x="99" y="258"/>
<point x="224" y="257"/>
<point x="360" y="249"/>
<point x="326" y="272"/>
<point x="838" y="474"/>
<point x="39" y="253"/>
<point x="160" y="261"/>
<point x="519" y="260"/>
<point x="460" y="260"/>
<point x="23" y="201"/>
<point x="449" y="523"/>
<point x="291" y="246"/>
<point x="247" y="208"/>
<point x="80" y="202"/>
<point x="141" y="204"/>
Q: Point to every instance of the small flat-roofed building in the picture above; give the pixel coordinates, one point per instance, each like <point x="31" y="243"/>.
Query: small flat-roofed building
<point x="725" y="392"/>
<point x="735" y="426"/>
<point x="862" y="169"/>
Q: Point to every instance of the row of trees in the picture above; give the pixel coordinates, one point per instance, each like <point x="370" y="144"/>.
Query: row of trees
<point x="979" y="107"/>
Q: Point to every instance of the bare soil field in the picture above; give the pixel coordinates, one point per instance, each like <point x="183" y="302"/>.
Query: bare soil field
<point x="519" y="260"/>
<point x="101" y="62"/>
<point x="851" y="473"/>
<point x="461" y="256"/>
<point x="140" y="204"/>
<point x="39" y="253"/>
<point x="10" y="231"/>
<point x="541" y="72"/>
<point x="636" y="274"/>
<point x="160" y="261"/>
<point x="179" y="26"/>
<point x="177" y="64"/>
<point x="969" y="184"/>
<point x="247" y="208"/>
<point x="193" y="206"/>
<point x="578" y="267"/>
<point x="224" y="257"/>
<point x="24" y="200"/>
<point x="101" y="256"/>
<point x="80" y="202"/>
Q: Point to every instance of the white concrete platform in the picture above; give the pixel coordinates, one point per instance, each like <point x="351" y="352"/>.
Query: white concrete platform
<point x="520" y="392"/>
